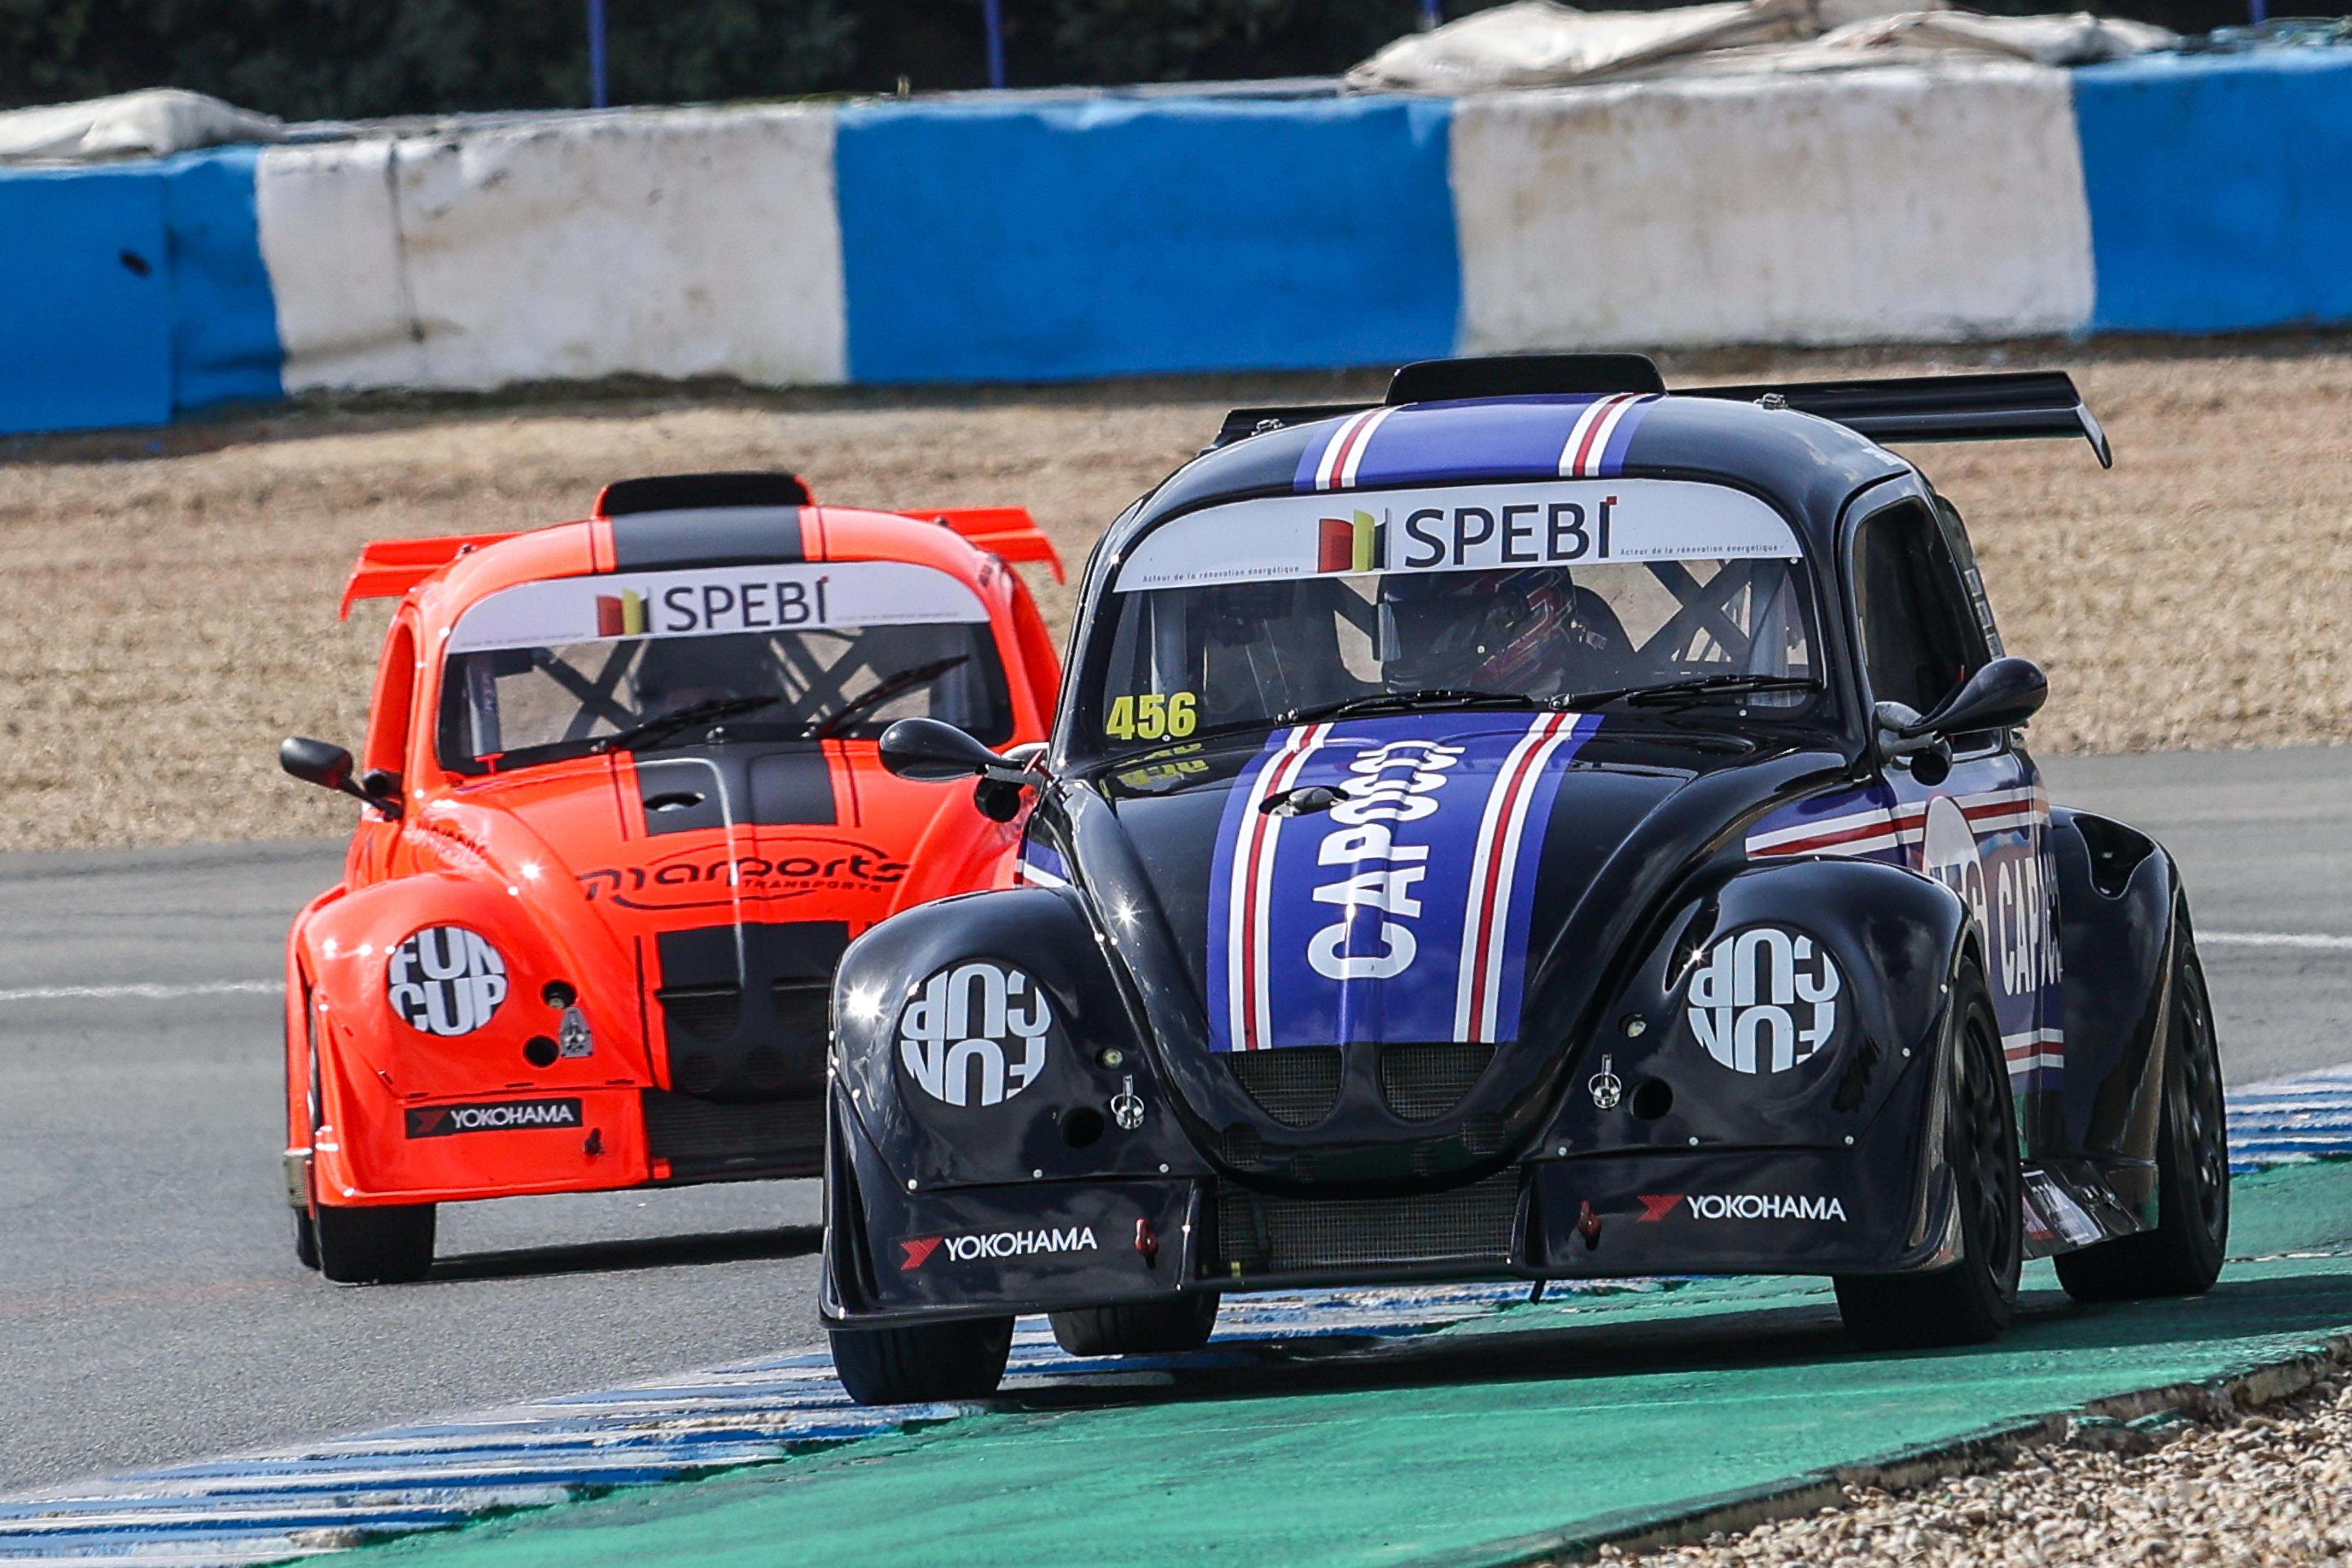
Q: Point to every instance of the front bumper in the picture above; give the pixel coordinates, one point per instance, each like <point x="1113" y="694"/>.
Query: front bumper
<point x="898" y="1256"/>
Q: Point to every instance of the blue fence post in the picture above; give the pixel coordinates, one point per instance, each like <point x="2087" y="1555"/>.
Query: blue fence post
<point x="994" y="11"/>
<point x="597" y="97"/>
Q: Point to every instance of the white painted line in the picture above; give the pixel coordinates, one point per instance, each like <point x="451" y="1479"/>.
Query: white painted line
<point x="152" y="993"/>
<point x="2271" y="939"/>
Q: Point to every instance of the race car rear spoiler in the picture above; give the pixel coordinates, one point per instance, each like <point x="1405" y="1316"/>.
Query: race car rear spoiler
<point x="390" y="568"/>
<point x="1010" y="532"/>
<point x="2006" y="405"/>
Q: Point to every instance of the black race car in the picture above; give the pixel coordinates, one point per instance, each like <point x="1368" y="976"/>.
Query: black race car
<point x="1537" y="827"/>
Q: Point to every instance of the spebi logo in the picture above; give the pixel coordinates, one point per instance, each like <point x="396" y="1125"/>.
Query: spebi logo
<point x="1765" y="1000"/>
<point x="446" y="980"/>
<point x="975" y="1034"/>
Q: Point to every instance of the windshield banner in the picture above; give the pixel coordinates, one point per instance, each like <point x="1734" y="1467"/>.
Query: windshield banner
<point x="1460" y="528"/>
<point x="1399" y="915"/>
<point x="711" y="601"/>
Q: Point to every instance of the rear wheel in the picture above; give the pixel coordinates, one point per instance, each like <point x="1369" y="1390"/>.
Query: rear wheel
<point x="2182" y="1256"/>
<point x="306" y="1239"/>
<point x="922" y="1363"/>
<point x="1969" y="1301"/>
<point x="1163" y="1326"/>
<point x="391" y="1244"/>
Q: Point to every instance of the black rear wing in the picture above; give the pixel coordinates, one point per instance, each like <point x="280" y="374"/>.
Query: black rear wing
<point x="2003" y="405"/>
<point x="2007" y="405"/>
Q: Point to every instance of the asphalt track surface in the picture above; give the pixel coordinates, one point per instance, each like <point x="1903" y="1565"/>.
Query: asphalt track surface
<point x="150" y="1307"/>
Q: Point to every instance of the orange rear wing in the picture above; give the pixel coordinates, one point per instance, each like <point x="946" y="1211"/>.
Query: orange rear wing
<point x="1010" y="532"/>
<point x="390" y="568"/>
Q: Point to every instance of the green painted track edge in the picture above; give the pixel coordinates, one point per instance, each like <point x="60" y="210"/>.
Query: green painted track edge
<point x="1691" y="1519"/>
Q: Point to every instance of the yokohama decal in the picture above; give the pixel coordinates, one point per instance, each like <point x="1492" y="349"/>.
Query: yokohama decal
<point x="1402" y="913"/>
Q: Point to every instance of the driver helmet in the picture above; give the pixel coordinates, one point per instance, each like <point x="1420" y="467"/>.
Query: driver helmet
<point x="1486" y="631"/>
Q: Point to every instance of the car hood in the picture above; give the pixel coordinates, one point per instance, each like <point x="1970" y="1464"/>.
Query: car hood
<point x="1484" y="878"/>
<point x="717" y="840"/>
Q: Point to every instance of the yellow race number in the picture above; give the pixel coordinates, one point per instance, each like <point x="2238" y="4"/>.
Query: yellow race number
<point x="1153" y="715"/>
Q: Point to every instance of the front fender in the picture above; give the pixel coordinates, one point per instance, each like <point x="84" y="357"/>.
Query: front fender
<point x="1060" y="1123"/>
<point x="1895" y="938"/>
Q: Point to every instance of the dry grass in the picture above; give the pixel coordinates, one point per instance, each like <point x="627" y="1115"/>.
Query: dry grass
<point x="175" y="597"/>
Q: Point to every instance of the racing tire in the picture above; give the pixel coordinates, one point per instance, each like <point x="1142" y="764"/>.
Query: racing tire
<point x="2182" y="1256"/>
<point x="922" y="1364"/>
<point x="306" y="1238"/>
<point x="1972" y="1300"/>
<point x="1166" y="1326"/>
<point x="387" y="1245"/>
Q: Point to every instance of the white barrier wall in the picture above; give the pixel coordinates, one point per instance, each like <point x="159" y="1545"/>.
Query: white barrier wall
<point x="1881" y="206"/>
<point x="675" y="243"/>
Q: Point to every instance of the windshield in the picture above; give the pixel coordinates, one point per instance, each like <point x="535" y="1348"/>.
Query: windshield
<point x="1276" y="612"/>
<point x="843" y="650"/>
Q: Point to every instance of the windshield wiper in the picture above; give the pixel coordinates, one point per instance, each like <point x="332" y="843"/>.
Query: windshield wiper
<point x="897" y="686"/>
<point x="1698" y="689"/>
<point x="1434" y="696"/>
<point x="671" y="723"/>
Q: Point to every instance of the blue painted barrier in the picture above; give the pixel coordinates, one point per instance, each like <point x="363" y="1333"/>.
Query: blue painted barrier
<point x="223" y="317"/>
<point x="2218" y="189"/>
<point x="1099" y="237"/>
<point x="85" y="300"/>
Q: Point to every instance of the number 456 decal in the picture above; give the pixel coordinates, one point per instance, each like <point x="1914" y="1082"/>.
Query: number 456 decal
<point x="1153" y="716"/>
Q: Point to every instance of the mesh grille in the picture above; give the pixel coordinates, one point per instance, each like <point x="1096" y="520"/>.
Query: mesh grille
<point x="1270" y="1234"/>
<point x="1297" y="1087"/>
<point x="804" y="1008"/>
<point x="1420" y="1082"/>
<point x="705" y="1138"/>
<point x="706" y="1012"/>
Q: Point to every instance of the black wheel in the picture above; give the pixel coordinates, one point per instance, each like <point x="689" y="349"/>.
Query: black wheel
<point x="391" y="1244"/>
<point x="1969" y="1301"/>
<point x="1160" y="1327"/>
<point x="306" y="1239"/>
<point x="2182" y="1256"/>
<point x="923" y="1362"/>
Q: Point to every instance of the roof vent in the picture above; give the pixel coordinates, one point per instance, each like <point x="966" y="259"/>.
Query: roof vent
<point x="699" y="492"/>
<point x="1524" y="375"/>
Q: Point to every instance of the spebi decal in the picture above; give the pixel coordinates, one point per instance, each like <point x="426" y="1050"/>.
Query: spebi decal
<point x="446" y="980"/>
<point x="1765" y="999"/>
<point x="975" y="1034"/>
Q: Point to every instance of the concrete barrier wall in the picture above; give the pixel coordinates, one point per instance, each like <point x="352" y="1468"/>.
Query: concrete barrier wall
<point x="1039" y="236"/>
<point x="1896" y="205"/>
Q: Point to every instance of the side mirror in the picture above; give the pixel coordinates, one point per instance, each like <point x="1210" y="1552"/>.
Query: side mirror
<point x="931" y="750"/>
<point x="317" y="762"/>
<point x="2005" y="693"/>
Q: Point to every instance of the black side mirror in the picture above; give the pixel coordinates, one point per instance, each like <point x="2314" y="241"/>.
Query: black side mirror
<point x="329" y="767"/>
<point x="931" y="750"/>
<point x="317" y="762"/>
<point x="2005" y="693"/>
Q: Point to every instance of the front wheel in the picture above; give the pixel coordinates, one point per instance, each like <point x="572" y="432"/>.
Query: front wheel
<point x="306" y="1238"/>
<point x="920" y="1364"/>
<point x="2182" y="1256"/>
<point x="1164" y="1326"/>
<point x="390" y="1244"/>
<point x="1969" y="1301"/>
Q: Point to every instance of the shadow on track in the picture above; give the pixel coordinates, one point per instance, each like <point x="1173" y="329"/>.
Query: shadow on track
<point x="619" y="1257"/>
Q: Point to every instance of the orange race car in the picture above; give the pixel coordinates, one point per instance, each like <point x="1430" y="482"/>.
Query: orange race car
<point x="622" y="811"/>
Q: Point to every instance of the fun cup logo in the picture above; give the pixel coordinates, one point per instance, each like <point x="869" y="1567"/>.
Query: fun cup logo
<point x="446" y="980"/>
<point x="1765" y="1000"/>
<point x="975" y="1034"/>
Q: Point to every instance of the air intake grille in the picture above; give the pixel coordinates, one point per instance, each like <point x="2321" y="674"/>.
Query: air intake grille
<point x="1297" y="1087"/>
<point x="702" y="1139"/>
<point x="706" y="1012"/>
<point x="1422" y="1081"/>
<point x="804" y="1008"/>
<point x="1269" y="1234"/>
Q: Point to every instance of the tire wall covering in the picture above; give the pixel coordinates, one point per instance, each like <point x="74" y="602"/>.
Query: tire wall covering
<point x="1055" y="237"/>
